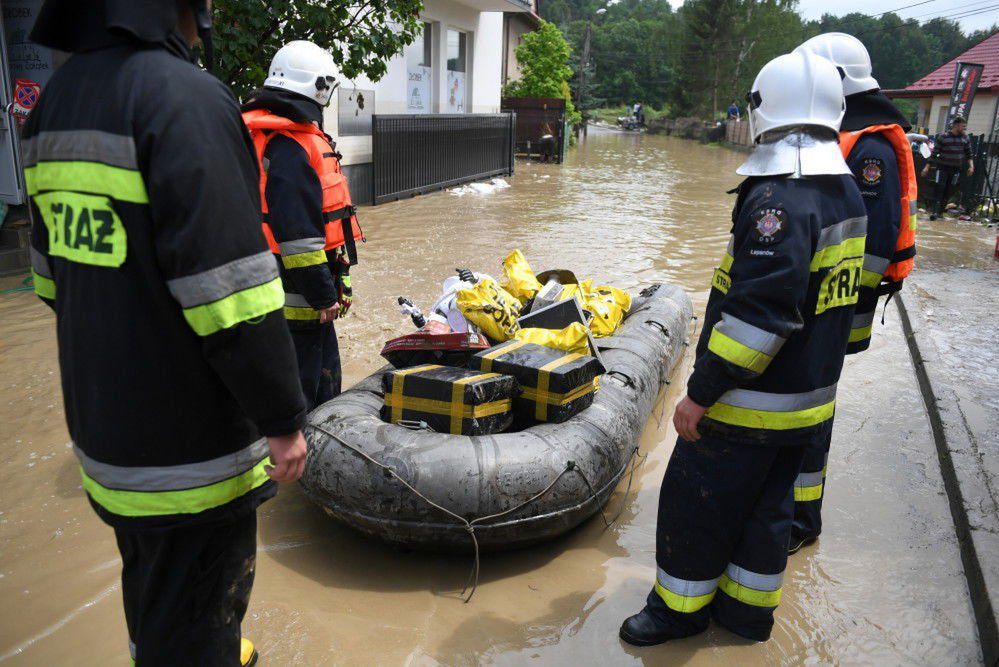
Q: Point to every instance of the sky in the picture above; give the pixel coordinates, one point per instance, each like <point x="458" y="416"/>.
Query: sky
<point x="986" y="12"/>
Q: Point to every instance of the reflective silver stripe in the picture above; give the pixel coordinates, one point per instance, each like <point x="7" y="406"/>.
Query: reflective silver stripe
<point x="686" y="587"/>
<point x="296" y="300"/>
<point x="220" y="282"/>
<point x="173" y="478"/>
<point x="809" y="479"/>
<point x="876" y="264"/>
<point x="848" y="229"/>
<point x="40" y="264"/>
<point x="131" y="649"/>
<point x="861" y="320"/>
<point x="302" y="245"/>
<point x="730" y="249"/>
<point x="761" y="400"/>
<point x="913" y="208"/>
<point x="754" y="580"/>
<point x="749" y="335"/>
<point x="84" y="145"/>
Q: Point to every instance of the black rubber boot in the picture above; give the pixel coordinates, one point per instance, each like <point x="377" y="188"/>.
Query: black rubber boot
<point x="656" y="624"/>
<point x="798" y="543"/>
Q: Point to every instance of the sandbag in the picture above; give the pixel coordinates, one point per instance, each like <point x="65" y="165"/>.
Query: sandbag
<point x="491" y="308"/>
<point x="573" y="338"/>
<point x="520" y="280"/>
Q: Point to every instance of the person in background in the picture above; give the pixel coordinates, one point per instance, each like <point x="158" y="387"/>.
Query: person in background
<point x="733" y="111"/>
<point x="308" y="218"/>
<point x="874" y="143"/>
<point x="951" y="150"/>
<point x="770" y="354"/>
<point x="174" y="355"/>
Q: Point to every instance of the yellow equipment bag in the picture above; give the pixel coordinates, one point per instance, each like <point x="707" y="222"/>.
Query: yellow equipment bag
<point x="520" y="279"/>
<point x="608" y="304"/>
<point x="491" y="308"/>
<point x="573" y="338"/>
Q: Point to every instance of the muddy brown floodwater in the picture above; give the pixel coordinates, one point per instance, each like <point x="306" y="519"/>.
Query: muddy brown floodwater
<point x="883" y="586"/>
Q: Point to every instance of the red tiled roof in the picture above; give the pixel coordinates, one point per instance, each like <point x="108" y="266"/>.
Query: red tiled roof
<point x="942" y="78"/>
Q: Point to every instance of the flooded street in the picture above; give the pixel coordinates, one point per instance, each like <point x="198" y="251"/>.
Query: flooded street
<point x="884" y="585"/>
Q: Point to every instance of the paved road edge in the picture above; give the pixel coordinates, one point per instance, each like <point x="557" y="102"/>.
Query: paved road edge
<point x="953" y="441"/>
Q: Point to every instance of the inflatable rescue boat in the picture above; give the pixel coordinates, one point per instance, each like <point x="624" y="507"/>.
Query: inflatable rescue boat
<point x="435" y="491"/>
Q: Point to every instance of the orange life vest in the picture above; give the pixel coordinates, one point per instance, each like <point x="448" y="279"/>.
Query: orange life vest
<point x="341" y="227"/>
<point x="905" y="247"/>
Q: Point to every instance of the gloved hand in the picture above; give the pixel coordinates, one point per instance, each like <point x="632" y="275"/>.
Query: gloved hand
<point x="467" y="276"/>
<point x="346" y="296"/>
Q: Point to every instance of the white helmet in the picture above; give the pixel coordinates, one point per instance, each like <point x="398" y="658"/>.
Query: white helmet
<point x="304" y="68"/>
<point x="796" y="89"/>
<point x="850" y="55"/>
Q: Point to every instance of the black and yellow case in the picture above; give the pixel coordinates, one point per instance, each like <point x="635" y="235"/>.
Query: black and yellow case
<point x="449" y="400"/>
<point x="555" y="385"/>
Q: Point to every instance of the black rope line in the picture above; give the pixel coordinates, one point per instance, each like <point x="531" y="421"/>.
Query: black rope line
<point x="472" y="582"/>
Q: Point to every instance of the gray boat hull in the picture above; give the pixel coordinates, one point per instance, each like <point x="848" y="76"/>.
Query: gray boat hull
<point x="582" y="459"/>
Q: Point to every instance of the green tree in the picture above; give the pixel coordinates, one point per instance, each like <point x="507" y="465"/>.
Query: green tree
<point x="543" y="55"/>
<point x="362" y="35"/>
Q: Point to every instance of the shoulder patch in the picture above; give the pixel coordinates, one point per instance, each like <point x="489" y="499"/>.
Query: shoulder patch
<point x="769" y="224"/>
<point x="872" y="170"/>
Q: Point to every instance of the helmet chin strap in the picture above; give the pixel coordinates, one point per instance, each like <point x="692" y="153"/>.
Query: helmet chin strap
<point x="203" y="21"/>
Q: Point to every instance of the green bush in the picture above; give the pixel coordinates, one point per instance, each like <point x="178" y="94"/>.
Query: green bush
<point x="543" y="56"/>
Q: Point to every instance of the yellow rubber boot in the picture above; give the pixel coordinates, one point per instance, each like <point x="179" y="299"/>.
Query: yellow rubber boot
<point x="247" y="654"/>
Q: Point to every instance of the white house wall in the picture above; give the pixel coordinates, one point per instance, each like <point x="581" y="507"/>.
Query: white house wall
<point x="484" y="48"/>
<point x="982" y="112"/>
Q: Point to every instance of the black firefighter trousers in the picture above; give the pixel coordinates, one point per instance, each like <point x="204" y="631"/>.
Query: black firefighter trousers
<point x="186" y="590"/>
<point x="318" y="353"/>
<point x="725" y="512"/>
<point x="809" y="490"/>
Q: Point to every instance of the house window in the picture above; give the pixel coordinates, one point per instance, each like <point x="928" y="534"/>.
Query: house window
<point x="419" y="72"/>
<point x="457" y="63"/>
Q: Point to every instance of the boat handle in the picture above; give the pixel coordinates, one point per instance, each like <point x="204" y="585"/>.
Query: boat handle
<point x="658" y="325"/>
<point x="623" y="378"/>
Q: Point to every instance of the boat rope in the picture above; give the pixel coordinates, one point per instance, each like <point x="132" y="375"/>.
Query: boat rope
<point x="472" y="583"/>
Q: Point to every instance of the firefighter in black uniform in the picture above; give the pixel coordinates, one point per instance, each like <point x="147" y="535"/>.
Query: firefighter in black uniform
<point x="873" y="142"/>
<point x="764" y="382"/>
<point x="174" y="354"/>
<point x="307" y="214"/>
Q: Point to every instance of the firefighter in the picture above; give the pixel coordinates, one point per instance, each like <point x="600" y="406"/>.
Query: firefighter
<point x="769" y="356"/>
<point x="173" y="350"/>
<point x="308" y="218"/>
<point x="873" y="142"/>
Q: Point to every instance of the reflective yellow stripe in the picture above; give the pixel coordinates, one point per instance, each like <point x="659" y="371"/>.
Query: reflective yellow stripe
<point x="914" y="222"/>
<point x="458" y="407"/>
<point x="683" y="603"/>
<point x="777" y="421"/>
<point x="436" y="407"/>
<point x="394" y="400"/>
<point x="552" y="398"/>
<point x="749" y="596"/>
<point x="238" y="307"/>
<point x="304" y="259"/>
<point x="487" y="358"/>
<point x="721" y="281"/>
<point x="726" y="263"/>
<point x="805" y="494"/>
<point x="93" y="177"/>
<point x="862" y="333"/>
<point x="300" y="314"/>
<point x="832" y="255"/>
<point x="44" y="287"/>
<point x="188" y="501"/>
<point x="869" y="278"/>
<point x="544" y="377"/>
<point x="735" y="352"/>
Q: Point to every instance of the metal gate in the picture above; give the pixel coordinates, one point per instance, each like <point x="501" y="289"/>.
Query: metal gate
<point x="980" y="193"/>
<point x="414" y="154"/>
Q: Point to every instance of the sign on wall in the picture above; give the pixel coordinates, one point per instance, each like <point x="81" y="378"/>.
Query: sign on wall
<point x="30" y="65"/>
<point x="418" y="89"/>
<point x="354" y="110"/>
<point x="966" y="79"/>
<point x="455" y="92"/>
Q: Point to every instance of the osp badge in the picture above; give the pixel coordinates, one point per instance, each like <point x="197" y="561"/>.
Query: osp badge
<point x="872" y="170"/>
<point x="769" y="225"/>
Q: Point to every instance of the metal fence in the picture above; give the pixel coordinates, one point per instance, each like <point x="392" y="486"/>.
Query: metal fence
<point x="978" y="193"/>
<point x="536" y="117"/>
<point x="415" y="154"/>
